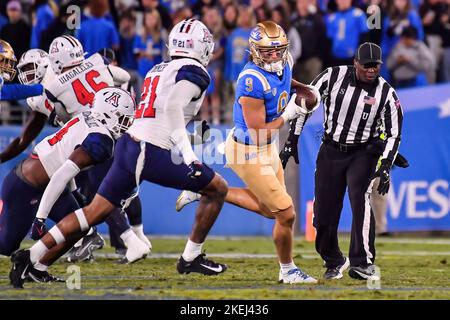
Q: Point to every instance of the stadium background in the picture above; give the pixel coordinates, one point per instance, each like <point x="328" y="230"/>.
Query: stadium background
<point x="420" y="197"/>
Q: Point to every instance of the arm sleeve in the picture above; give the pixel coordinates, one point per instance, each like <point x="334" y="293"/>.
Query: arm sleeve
<point x="100" y="147"/>
<point x="180" y="95"/>
<point x="392" y="117"/>
<point x="56" y="186"/>
<point x="20" y="91"/>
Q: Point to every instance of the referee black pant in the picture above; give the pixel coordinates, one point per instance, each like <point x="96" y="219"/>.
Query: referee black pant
<point x="337" y="168"/>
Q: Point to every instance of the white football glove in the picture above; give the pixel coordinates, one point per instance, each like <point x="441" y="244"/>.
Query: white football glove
<point x="293" y="110"/>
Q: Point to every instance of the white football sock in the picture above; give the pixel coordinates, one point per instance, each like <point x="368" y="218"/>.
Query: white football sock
<point x="192" y="250"/>
<point x="139" y="231"/>
<point x="129" y="238"/>
<point x="41" y="267"/>
<point x="37" y="251"/>
<point x="285" y="267"/>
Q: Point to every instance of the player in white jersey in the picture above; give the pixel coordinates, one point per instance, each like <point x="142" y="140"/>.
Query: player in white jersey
<point x="34" y="68"/>
<point x="145" y="154"/>
<point x="78" y="79"/>
<point x="84" y="141"/>
<point x="157" y="89"/>
<point x="72" y="91"/>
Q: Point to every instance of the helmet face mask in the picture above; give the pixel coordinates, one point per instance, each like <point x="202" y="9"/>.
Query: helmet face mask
<point x="190" y="38"/>
<point x="269" y="46"/>
<point x="123" y="123"/>
<point x="7" y="61"/>
<point x="32" y="66"/>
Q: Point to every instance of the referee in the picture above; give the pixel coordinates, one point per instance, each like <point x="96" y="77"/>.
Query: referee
<point x="357" y="101"/>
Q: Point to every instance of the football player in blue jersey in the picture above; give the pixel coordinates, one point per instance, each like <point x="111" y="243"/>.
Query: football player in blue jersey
<point x="262" y="106"/>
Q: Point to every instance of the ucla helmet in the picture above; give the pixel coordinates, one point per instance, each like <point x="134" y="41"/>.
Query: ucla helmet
<point x="7" y="61"/>
<point x="265" y="39"/>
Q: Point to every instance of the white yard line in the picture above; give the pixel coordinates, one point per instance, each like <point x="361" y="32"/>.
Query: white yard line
<point x="305" y="254"/>
<point x="440" y="241"/>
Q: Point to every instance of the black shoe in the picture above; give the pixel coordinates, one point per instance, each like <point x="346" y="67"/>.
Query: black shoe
<point x="337" y="272"/>
<point x="36" y="275"/>
<point x="121" y="251"/>
<point x="84" y="252"/>
<point x="20" y="268"/>
<point x="366" y="272"/>
<point x="200" y="265"/>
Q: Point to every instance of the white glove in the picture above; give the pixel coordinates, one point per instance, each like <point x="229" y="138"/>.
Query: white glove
<point x="293" y="110"/>
<point x="1" y="82"/>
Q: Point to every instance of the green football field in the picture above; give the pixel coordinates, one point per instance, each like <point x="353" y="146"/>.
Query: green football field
<point x="411" y="268"/>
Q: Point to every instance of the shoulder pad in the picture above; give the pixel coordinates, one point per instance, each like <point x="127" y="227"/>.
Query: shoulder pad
<point x="258" y="75"/>
<point x="194" y="74"/>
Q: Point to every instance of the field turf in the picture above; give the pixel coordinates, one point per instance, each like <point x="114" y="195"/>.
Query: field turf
<point x="411" y="268"/>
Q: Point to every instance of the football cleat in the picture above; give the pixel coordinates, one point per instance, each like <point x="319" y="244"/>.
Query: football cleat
<point x="84" y="252"/>
<point x="185" y="198"/>
<point x="337" y="272"/>
<point x="295" y="275"/>
<point x="363" y="272"/>
<point x="20" y="268"/>
<point x="36" y="275"/>
<point x="200" y="265"/>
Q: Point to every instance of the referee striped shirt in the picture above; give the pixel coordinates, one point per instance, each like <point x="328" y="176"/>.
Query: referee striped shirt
<point x="353" y="111"/>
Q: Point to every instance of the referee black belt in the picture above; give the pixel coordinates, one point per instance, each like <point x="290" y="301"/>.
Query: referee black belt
<point x="344" y="147"/>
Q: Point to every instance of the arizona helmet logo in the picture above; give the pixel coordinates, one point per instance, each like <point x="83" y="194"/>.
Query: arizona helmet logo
<point x="54" y="48"/>
<point x="207" y="37"/>
<point x="113" y="99"/>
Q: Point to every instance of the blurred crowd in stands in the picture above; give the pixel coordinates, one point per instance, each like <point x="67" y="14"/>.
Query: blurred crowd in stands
<point x="414" y="35"/>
